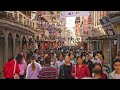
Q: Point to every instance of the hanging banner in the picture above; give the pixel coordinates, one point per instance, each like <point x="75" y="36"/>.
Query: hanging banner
<point x="90" y="19"/>
<point x="85" y="26"/>
<point x="65" y="14"/>
<point x="90" y="23"/>
<point x="77" y="26"/>
<point x="107" y="26"/>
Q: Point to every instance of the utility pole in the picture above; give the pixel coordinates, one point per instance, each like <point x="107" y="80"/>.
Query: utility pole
<point x="118" y="42"/>
<point x="110" y="40"/>
<point x="92" y="38"/>
<point x="43" y="37"/>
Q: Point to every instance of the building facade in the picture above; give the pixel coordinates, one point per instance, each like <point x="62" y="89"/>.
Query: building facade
<point x="17" y="33"/>
<point x="99" y="40"/>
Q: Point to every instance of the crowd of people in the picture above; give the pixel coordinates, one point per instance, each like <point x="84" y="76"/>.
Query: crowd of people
<point x="61" y="63"/>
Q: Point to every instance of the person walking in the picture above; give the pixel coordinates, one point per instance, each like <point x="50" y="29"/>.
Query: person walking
<point x="11" y="67"/>
<point x="96" y="59"/>
<point x="65" y="69"/>
<point x="33" y="68"/>
<point x="48" y="72"/>
<point x="116" y="73"/>
<point x="59" y="62"/>
<point x="22" y="64"/>
<point x="80" y="70"/>
<point x="72" y="58"/>
<point x="98" y="72"/>
<point x="100" y="56"/>
<point x="89" y="63"/>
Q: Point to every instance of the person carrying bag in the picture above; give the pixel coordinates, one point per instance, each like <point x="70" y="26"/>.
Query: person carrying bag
<point x="10" y="68"/>
<point x="80" y="70"/>
<point x="16" y="76"/>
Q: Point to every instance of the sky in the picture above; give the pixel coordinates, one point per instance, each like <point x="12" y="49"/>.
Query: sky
<point x="70" y="23"/>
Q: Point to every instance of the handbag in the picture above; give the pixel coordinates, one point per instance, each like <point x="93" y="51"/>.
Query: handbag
<point x="75" y="69"/>
<point x="16" y="76"/>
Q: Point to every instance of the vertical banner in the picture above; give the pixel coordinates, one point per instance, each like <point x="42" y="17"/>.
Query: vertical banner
<point x="85" y="28"/>
<point x="77" y="29"/>
<point x="90" y="19"/>
<point x="81" y="27"/>
<point x="77" y="26"/>
<point x="90" y="25"/>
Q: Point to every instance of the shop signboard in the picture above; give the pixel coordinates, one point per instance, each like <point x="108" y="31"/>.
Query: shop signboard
<point x="107" y="26"/>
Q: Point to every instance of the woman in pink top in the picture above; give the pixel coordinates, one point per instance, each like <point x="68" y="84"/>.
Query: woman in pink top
<point x="22" y="64"/>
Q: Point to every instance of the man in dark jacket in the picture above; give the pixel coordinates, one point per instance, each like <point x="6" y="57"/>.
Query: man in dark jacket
<point x="89" y="63"/>
<point x="65" y="69"/>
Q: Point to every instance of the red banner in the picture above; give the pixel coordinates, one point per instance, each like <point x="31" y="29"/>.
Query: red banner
<point x="77" y="26"/>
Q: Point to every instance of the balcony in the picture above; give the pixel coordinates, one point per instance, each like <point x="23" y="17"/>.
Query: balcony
<point x="16" y="18"/>
<point x="114" y="16"/>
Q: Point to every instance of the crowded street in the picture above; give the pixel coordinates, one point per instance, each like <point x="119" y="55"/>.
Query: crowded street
<point x="59" y="45"/>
